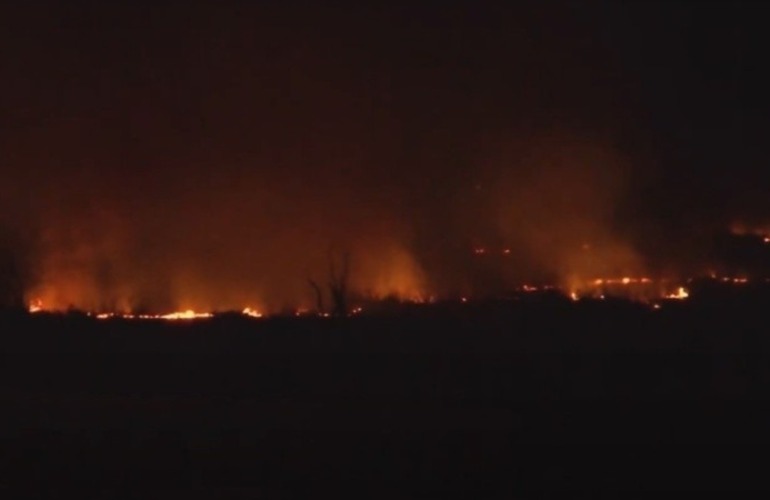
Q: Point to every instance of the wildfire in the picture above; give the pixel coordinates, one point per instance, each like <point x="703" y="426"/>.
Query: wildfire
<point x="251" y="313"/>
<point x="626" y="280"/>
<point x="650" y="291"/>
<point x="680" y="294"/>
<point x="36" y="306"/>
<point x="188" y="314"/>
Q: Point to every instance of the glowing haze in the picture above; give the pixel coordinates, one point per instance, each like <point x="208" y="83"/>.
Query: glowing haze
<point x="166" y="159"/>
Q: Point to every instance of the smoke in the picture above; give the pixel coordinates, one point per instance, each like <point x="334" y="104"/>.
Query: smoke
<point x="212" y="158"/>
<point x="231" y="238"/>
<point x="216" y="248"/>
<point x="556" y="194"/>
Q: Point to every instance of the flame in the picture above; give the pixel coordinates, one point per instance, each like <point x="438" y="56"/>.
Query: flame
<point x="680" y="294"/>
<point x="630" y="287"/>
<point x="248" y="311"/>
<point x="35" y="306"/>
<point x="188" y="314"/>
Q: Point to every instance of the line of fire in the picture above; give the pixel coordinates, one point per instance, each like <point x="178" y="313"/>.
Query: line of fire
<point x="739" y="262"/>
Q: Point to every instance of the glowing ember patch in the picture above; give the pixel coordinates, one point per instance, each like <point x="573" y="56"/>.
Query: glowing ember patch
<point x="680" y="293"/>
<point x="626" y="281"/>
<point x="479" y="251"/>
<point x="251" y="312"/>
<point x="573" y="296"/>
<point x="36" y="306"/>
<point x="506" y="251"/>
<point x="463" y="299"/>
<point x="188" y="314"/>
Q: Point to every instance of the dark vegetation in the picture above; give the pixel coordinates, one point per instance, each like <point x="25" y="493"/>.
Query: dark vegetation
<point x="485" y="399"/>
<point x="338" y="286"/>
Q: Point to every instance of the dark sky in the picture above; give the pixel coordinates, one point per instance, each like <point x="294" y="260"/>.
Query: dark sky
<point x="161" y="154"/>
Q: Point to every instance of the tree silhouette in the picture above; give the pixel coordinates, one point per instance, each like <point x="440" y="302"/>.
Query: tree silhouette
<point x="337" y="284"/>
<point x="319" y="296"/>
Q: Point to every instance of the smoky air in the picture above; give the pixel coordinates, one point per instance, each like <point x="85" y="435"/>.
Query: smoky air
<point x="166" y="159"/>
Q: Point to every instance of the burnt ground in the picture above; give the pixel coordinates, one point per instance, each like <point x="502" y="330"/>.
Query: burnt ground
<point x="489" y="400"/>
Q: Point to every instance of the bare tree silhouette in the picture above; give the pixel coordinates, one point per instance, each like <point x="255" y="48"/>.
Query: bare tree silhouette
<point x="319" y="296"/>
<point x="338" y="286"/>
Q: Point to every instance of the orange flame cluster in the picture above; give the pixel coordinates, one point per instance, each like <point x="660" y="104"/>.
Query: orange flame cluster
<point x="36" y="306"/>
<point x="680" y="294"/>
<point x="596" y="288"/>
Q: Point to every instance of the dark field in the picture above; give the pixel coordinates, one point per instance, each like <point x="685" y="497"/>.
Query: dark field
<point x="506" y="399"/>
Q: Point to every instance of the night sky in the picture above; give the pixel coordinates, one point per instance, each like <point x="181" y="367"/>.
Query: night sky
<point x="169" y="155"/>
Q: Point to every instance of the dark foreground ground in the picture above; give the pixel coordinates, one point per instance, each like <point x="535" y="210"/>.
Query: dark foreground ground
<point x="479" y="400"/>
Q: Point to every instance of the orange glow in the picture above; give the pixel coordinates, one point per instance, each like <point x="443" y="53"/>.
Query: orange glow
<point x="680" y="294"/>
<point x="36" y="306"/>
<point x="641" y="289"/>
<point x="251" y="313"/>
<point x="188" y="314"/>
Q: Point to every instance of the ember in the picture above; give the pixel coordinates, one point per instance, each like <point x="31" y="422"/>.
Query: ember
<point x="680" y="293"/>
